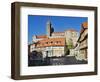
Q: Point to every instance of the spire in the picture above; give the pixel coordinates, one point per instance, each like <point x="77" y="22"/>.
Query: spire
<point x="49" y="28"/>
<point x="49" y="22"/>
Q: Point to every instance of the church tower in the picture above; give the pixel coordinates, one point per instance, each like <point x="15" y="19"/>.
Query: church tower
<point x="49" y="28"/>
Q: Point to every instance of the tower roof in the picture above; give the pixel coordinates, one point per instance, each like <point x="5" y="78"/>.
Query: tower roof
<point x="48" y="22"/>
<point x="85" y="25"/>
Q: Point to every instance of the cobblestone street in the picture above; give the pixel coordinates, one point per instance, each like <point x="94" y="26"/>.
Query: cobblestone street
<point x="69" y="60"/>
<point x="65" y="61"/>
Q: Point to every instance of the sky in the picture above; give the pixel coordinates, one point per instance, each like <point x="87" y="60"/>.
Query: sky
<point x="37" y="24"/>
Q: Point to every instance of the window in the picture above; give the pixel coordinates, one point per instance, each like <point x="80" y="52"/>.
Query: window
<point x="51" y="42"/>
<point x="46" y="42"/>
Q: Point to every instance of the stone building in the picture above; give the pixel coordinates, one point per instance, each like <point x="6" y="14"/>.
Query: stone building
<point x="71" y="37"/>
<point x="83" y="43"/>
<point x="54" y="43"/>
<point x="50" y="47"/>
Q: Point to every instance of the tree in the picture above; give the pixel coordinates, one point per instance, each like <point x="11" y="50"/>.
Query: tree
<point x="70" y="44"/>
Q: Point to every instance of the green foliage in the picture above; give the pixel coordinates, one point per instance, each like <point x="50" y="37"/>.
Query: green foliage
<point x="70" y="44"/>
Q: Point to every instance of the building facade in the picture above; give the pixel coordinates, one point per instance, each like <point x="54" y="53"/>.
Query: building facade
<point x="54" y="43"/>
<point x="50" y="47"/>
<point x="83" y="43"/>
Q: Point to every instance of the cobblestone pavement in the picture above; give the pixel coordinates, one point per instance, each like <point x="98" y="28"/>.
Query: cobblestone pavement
<point x="56" y="61"/>
<point x="65" y="61"/>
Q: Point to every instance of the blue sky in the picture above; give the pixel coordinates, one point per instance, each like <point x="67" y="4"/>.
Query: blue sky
<point x="37" y="24"/>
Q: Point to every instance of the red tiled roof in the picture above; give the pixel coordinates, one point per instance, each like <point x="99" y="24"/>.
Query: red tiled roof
<point x="51" y="42"/>
<point x="41" y="36"/>
<point x="85" y="25"/>
<point x="72" y="30"/>
<point x="58" y="33"/>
